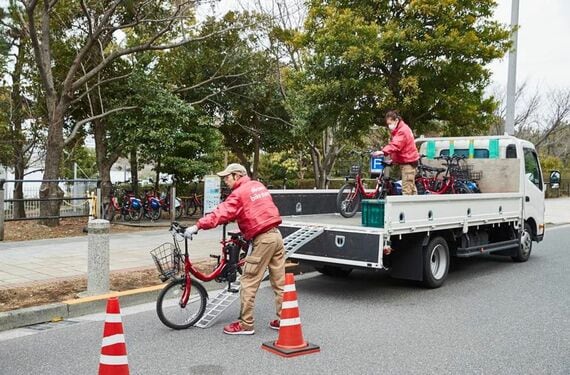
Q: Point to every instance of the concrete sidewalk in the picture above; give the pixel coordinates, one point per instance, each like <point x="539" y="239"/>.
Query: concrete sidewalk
<point x="23" y="262"/>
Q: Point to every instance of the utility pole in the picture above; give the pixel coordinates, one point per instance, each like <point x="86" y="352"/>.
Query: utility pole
<point x="512" y="77"/>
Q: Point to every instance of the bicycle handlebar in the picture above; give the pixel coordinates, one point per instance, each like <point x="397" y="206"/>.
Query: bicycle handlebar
<point x="177" y="228"/>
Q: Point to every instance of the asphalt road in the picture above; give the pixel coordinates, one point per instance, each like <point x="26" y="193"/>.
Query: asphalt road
<point x="492" y="316"/>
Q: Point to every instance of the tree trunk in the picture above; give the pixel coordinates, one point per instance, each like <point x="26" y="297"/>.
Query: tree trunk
<point x="157" y="179"/>
<point x="104" y="160"/>
<point x="316" y="158"/>
<point x="254" y="174"/>
<point x="134" y="171"/>
<point x="323" y="162"/>
<point x="54" y="152"/>
<point x="19" y="167"/>
<point x="19" y="144"/>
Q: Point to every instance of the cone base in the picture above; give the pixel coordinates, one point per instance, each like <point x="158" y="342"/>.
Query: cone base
<point x="288" y="353"/>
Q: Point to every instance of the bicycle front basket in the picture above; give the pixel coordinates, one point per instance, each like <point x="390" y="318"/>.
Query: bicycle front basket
<point x="167" y="260"/>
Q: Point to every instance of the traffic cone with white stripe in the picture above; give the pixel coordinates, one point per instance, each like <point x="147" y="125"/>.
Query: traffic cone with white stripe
<point x="113" y="350"/>
<point x="290" y="342"/>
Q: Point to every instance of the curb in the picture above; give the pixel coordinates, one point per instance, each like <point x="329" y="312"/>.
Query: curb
<point x="74" y="308"/>
<point x="55" y="312"/>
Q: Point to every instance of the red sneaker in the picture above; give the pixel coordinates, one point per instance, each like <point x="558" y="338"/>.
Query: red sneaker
<point x="274" y="324"/>
<point x="235" y="328"/>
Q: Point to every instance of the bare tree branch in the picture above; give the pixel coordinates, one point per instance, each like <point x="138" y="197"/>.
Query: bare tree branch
<point x="222" y="91"/>
<point x="99" y="84"/>
<point x="273" y="118"/>
<point x="560" y="114"/>
<point x="209" y="80"/>
<point x="147" y="46"/>
<point x="87" y="16"/>
<point x="79" y="124"/>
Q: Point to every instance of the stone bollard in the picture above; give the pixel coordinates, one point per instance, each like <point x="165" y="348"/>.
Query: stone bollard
<point x="98" y="257"/>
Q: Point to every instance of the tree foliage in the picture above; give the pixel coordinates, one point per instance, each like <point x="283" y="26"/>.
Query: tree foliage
<point x="425" y="58"/>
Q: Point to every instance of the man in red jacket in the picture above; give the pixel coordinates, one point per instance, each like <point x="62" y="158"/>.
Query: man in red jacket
<point x="402" y="150"/>
<point x="251" y="205"/>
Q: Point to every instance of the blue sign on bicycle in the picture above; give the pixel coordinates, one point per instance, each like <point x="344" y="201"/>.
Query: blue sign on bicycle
<point x="376" y="164"/>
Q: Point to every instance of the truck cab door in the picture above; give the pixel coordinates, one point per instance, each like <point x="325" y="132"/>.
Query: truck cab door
<point x="533" y="191"/>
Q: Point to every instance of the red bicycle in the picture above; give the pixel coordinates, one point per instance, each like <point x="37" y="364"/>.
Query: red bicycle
<point x="182" y="303"/>
<point x="352" y="192"/>
<point x="131" y="207"/>
<point x="193" y="204"/>
<point x="451" y="182"/>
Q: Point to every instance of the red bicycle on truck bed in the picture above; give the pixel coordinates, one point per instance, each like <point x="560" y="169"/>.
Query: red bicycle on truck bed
<point x="182" y="303"/>
<point x="453" y="181"/>
<point x="352" y="192"/>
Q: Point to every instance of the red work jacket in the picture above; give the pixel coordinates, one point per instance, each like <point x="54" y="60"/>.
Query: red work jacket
<point x="402" y="148"/>
<point x="250" y="204"/>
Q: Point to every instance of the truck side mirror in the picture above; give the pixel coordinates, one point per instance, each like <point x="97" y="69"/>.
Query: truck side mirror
<point x="555" y="178"/>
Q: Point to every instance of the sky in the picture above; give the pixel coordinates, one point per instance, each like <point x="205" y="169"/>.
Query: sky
<point x="543" y="58"/>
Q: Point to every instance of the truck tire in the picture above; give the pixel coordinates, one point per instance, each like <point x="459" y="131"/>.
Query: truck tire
<point x="436" y="262"/>
<point x="334" y="271"/>
<point x="525" y="247"/>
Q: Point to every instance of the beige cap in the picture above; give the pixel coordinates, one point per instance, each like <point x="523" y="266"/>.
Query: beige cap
<point x="233" y="168"/>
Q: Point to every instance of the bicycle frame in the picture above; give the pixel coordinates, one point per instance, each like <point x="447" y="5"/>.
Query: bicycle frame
<point x="360" y="187"/>
<point x="191" y="270"/>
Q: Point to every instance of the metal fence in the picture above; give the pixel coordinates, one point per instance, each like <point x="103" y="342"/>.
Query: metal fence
<point x="74" y="203"/>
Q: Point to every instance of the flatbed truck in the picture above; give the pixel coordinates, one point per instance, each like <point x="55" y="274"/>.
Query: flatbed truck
<point x="423" y="232"/>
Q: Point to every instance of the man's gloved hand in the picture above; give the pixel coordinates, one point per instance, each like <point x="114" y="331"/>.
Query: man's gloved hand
<point x="190" y="231"/>
<point x="378" y="153"/>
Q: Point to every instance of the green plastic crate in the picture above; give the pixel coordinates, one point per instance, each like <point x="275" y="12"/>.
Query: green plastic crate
<point x="373" y="213"/>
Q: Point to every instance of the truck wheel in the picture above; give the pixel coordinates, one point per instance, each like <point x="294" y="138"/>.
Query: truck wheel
<point x="436" y="262"/>
<point x="333" y="271"/>
<point x="525" y="246"/>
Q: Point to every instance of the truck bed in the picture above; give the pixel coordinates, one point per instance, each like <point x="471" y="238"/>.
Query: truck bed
<point x="330" y="220"/>
<point x="345" y="241"/>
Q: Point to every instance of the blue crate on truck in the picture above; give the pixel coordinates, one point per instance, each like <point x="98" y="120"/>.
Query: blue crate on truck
<point x="373" y="213"/>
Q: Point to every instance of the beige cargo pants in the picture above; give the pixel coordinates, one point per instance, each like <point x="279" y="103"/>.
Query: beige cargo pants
<point x="268" y="252"/>
<point x="408" y="179"/>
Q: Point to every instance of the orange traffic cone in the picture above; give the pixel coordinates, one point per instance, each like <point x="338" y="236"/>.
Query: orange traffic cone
<point x="113" y="349"/>
<point x="290" y="342"/>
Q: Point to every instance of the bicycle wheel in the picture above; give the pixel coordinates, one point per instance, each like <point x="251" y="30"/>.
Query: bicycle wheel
<point x="191" y="209"/>
<point x="154" y="213"/>
<point x="178" y="213"/>
<point x="460" y="187"/>
<point x="135" y="214"/>
<point x="168" y="308"/>
<point x="348" y="200"/>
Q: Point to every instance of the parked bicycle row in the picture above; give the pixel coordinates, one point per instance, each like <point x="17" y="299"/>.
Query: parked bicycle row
<point x="454" y="176"/>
